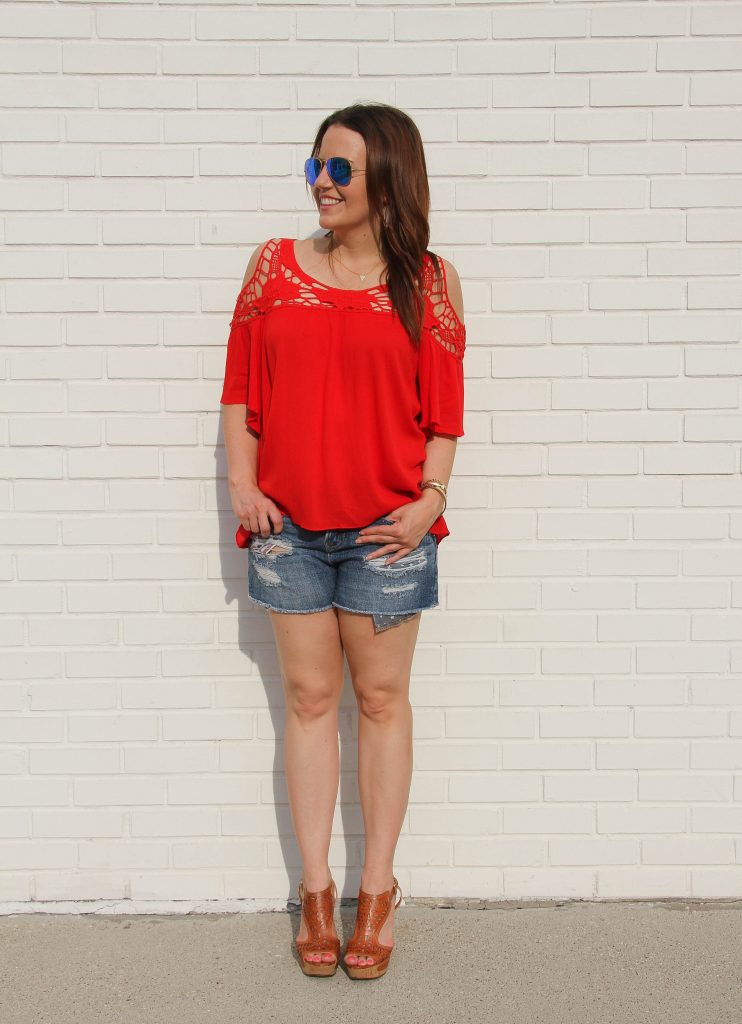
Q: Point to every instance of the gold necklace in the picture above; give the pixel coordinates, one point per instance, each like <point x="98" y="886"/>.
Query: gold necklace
<point x="362" y="276"/>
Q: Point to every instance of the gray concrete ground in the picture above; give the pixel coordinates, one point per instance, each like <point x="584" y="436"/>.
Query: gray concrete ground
<point x="659" y="963"/>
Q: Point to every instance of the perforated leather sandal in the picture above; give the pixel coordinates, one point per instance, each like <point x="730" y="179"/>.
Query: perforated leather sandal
<point x="373" y="910"/>
<point x="318" y="909"/>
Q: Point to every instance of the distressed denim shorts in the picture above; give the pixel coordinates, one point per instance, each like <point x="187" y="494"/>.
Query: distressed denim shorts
<point x="299" y="570"/>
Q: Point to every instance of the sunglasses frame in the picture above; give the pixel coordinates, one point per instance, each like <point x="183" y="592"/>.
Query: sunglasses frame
<point x="324" y="163"/>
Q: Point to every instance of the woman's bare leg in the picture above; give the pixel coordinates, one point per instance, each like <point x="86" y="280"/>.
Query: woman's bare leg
<point x="311" y="658"/>
<point x="380" y="665"/>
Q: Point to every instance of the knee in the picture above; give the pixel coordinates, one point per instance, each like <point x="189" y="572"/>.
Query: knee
<point x="311" y="701"/>
<point x="380" y="700"/>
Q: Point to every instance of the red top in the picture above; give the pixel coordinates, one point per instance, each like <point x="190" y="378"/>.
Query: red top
<point x="342" y="401"/>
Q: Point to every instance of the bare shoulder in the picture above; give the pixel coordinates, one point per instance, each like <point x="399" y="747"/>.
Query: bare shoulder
<point x="455" y="293"/>
<point x="253" y="262"/>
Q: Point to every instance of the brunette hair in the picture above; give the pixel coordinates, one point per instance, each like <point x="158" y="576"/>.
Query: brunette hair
<point x="396" y="174"/>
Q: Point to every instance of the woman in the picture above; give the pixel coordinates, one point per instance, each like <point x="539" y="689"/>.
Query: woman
<point x="343" y="400"/>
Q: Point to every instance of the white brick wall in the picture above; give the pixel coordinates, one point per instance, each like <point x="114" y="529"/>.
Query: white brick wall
<point x="577" y="696"/>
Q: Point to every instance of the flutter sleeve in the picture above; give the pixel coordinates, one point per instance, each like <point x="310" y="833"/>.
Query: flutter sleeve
<point x="441" y="361"/>
<point x="244" y="368"/>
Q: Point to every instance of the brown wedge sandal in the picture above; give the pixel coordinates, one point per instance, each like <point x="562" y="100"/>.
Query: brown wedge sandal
<point x="318" y="908"/>
<point x="373" y="910"/>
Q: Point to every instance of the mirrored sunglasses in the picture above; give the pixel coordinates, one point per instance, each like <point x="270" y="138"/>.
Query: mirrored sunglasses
<point x="339" y="169"/>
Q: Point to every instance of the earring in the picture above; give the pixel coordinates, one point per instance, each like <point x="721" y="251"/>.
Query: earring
<point x="385" y="216"/>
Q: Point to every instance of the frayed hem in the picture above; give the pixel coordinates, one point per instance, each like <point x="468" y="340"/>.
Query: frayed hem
<point x="289" y="611"/>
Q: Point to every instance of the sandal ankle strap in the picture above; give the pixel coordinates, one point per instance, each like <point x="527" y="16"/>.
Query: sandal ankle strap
<point x="317" y="894"/>
<point x="396" y="888"/>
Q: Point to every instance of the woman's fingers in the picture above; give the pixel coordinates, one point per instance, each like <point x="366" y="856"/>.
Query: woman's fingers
<point x="400" y="554"/>
<point x="396" y="554"/>
<point x="379" y="551"/>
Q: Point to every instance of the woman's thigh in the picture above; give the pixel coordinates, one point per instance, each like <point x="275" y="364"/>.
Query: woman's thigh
<point x="380" y="662"/>
<point x="310" y="653"/>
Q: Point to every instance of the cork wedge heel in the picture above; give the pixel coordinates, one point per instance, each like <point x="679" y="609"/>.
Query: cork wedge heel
<point x="318" y="909"/>
<point x="373" y="910"/>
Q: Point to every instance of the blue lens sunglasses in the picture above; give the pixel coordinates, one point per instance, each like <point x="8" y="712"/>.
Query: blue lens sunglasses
<point x="340" y="169"/>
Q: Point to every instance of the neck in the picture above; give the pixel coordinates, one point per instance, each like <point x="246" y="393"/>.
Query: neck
<point x="359" y="247"/>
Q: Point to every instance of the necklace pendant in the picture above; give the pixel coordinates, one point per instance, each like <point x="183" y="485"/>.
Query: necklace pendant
<point x="363" y="276"/>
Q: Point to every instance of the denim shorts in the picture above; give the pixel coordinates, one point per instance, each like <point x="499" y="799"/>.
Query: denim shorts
<point x="299" y="570"/>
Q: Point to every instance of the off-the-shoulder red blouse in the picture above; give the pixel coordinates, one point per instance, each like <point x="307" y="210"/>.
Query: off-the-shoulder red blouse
<point x="341" y="399"/>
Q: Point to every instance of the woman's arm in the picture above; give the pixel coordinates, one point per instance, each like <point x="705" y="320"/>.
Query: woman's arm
<point x="440" y="452"/>
<point x="240" y="443"/>
<point x="440" y="449"/>
<point x="241" y="446"/>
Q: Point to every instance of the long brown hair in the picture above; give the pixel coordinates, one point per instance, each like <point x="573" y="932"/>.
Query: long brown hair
<point x="395" y="168"/>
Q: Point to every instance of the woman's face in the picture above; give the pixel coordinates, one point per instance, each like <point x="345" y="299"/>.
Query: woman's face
<point x="352" y="211"/>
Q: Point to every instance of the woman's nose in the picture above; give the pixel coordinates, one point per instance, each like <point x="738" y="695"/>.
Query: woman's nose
<point x="323" y="178"/>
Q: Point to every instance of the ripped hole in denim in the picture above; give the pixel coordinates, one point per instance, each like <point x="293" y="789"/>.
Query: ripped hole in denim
<point x="268" y="551"/>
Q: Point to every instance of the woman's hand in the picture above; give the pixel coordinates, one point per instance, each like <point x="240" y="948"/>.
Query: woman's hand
<point x="255" y="510"/>
<point x="412" y="522"/>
